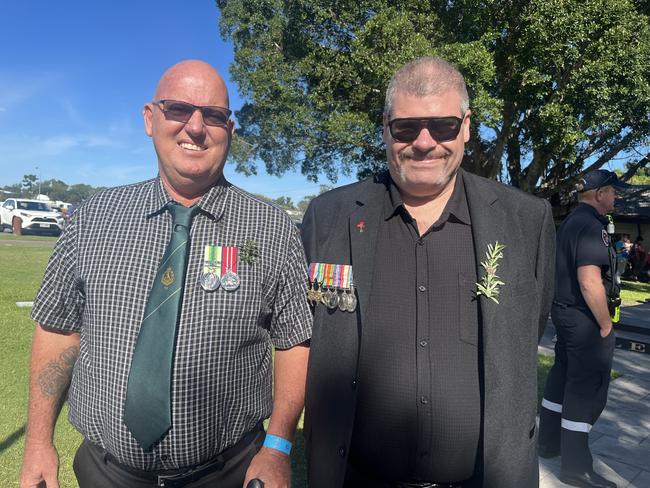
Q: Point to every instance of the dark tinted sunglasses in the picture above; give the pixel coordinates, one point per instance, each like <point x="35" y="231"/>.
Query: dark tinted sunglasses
<point x="182" y="112"/>
<point x="441" y="128"/>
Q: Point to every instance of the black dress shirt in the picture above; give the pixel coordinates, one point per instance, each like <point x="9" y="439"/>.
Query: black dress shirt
<point x="582" y="240"/>
<point x="418" y="414"/>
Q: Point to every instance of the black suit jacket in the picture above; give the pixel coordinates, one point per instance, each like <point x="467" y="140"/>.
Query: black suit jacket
<point x="509" y="337"/>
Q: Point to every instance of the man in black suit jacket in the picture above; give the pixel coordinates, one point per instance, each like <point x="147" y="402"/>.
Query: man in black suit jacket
<point x="429" y="377"/>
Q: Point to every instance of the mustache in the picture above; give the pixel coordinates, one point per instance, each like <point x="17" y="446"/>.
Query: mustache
<point x="411" y="153"/>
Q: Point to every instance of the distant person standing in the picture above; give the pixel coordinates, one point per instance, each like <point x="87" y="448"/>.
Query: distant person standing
<point x="585" y="286"/>
<point x="637" y="257"/>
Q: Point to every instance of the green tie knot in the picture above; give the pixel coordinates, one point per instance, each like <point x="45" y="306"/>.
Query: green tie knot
<point x="182" y="215"/>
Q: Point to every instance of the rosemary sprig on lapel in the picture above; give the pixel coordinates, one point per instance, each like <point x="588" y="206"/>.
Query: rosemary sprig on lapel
<point x="490" y="284"/>
<point x="249" y="253"/>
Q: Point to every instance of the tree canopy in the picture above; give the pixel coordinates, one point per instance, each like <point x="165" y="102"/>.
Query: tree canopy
<point x="54" y="189"/>
<point x="556" y="86"/>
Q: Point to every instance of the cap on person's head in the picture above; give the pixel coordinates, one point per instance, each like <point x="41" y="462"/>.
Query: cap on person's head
<point x="599" y="178"/>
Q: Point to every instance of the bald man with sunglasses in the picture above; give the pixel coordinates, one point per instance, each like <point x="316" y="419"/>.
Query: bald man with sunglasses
<point x="159" y="312"/>
<point x="430" y="288"/>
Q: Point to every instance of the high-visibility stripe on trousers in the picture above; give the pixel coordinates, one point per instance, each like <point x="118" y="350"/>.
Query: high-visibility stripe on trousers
<point x="576" y="388"/>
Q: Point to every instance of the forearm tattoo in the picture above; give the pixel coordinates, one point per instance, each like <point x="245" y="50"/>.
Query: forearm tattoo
<point x="55" y="377"/>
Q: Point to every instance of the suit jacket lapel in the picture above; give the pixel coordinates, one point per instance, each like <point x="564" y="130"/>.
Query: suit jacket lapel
<point x="363" y="227"/>
<point x="488" y="224"/>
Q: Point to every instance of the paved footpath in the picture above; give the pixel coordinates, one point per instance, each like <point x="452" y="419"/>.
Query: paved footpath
<point x="620" y="439"/>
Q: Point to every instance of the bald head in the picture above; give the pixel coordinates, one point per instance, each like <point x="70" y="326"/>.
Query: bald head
<point x="191" y="153"/>
<point x="191" y="77"/>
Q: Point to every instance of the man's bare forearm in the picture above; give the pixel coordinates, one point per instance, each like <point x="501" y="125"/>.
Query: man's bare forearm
<point x="53" y="358"/>
<point x="593" y="291"/>
<point x="289" y="390"/>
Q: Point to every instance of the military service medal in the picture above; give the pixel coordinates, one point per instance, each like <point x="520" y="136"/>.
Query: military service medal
<point x="211" y="267"/>
<point x="332" y="286"/>
<point x="229" y="278"/>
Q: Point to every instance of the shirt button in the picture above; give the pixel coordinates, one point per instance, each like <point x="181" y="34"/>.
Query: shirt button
<point x="164" y="457"/>
<point x="422" y="288"/>
<point x="342" y="451"/>
<point x="424" y="343"/>
<point x="424" y="400"/>
<point x="354" y="384"/>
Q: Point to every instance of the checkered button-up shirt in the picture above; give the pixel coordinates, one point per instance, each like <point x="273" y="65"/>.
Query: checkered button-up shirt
<point x="97" y="283"/>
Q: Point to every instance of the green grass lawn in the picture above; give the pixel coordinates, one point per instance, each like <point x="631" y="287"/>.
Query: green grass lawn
<point x="6" y="236"/>
<point x="22" y="270"/>
<point x="634" y="292"/>
<point x="21" y="273"/>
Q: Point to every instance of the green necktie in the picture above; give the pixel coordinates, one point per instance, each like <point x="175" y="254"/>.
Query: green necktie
<point x="147" y="410"/>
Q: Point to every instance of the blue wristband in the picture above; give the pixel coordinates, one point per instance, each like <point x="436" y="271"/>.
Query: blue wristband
<point x="278" y="443"/>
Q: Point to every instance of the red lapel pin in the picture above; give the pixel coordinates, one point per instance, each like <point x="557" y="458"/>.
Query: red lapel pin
<point x="361" y="225"/>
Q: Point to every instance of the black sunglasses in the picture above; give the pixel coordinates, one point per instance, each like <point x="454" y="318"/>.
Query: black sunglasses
<point x="182" y="112"/>
<point x="441" y="128"/>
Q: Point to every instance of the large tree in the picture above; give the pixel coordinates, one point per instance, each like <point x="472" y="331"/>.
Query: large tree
<point x="556" y="86"/>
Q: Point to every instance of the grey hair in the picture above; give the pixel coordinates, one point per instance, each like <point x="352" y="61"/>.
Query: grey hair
<point x="425" y="77"/>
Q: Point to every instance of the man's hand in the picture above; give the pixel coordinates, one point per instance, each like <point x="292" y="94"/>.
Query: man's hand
<point x="605" y="331"/>
<point x="40" y="465"/>
<point x="271" y="467"/>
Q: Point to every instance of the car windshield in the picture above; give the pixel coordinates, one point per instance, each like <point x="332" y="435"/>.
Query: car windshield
<point x="38" y="206"/>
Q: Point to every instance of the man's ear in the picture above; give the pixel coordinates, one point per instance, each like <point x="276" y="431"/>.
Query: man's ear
<point x="147" y="115"/>
<point x="386" y="132"/>
<point x="466" y="125"/>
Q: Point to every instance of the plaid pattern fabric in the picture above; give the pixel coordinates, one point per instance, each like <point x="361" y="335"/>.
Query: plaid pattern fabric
<point x="97" y="283"/>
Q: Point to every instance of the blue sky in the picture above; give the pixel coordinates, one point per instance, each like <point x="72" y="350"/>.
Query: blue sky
<point x="75" y="74"/>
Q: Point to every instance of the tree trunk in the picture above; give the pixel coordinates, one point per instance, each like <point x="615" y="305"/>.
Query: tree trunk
<point x="17" y="226"/>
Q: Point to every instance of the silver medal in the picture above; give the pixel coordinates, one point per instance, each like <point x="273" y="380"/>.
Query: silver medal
<point x="230" y="281"/>
<point x="209" y="281"/>
<point x="343" y="302"/>
<point x="332" y="299"/>
<point x="352" y="300"/>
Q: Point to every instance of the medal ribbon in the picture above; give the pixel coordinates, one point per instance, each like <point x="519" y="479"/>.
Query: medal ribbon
<point x="337" y="275"/>
<point x="212" y="259"/>
<point x="326" y="275"/>
<point x="345" y="276"/>
<point x="313" y="271"/>
<point x="330" y="275"/>
<point x="229" y="260"/>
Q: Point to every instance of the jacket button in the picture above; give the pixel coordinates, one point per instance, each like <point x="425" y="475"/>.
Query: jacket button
<point x="342" y="451"/>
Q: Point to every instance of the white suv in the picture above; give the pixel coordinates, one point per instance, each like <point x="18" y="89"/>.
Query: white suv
<point x="35" y="216"/>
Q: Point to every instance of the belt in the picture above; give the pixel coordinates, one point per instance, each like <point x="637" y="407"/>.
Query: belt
<point x="578" y="306"/>
<point x="181" y="477"/>
<point x="424" y="484"/>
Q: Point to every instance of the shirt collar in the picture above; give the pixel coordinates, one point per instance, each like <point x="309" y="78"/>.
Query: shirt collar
<point x="456" y="206"/>
<point x="213" y="202"/>
<point x="585" y="207"/>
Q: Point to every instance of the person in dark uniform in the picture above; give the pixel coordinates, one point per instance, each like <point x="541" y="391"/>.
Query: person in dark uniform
<point x="585" y="297"/>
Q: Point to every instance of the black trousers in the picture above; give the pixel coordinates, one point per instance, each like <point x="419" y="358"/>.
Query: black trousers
<point x="358" y="478"/>
<point x="94" y="469"/>
<point x="576" y="389"/>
